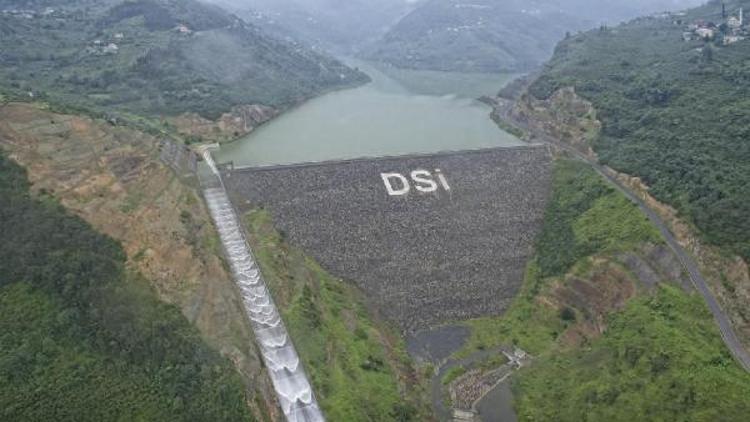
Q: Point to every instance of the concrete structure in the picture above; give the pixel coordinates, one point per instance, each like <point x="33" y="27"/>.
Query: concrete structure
<point x="429" y="238"/>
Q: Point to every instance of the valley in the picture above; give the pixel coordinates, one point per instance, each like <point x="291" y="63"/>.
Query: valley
<point x="407" y="210"/>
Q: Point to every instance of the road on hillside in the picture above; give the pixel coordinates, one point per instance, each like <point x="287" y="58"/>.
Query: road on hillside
<point x="725" y="326"/>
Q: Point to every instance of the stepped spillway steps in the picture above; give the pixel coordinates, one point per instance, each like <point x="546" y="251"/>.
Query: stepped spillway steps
<point x="284" y="367"/>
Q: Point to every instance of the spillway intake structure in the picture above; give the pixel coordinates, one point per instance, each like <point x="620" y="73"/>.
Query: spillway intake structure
<point x="285" y="369"/>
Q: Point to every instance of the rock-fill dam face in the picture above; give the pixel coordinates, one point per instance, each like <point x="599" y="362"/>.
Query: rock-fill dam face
<point x="430" y="239"/>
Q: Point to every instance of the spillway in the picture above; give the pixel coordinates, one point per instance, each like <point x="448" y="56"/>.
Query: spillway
<point x="292" y="386"/>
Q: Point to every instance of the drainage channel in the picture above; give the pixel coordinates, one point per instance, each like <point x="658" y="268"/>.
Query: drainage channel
<point x="284" y="366"/>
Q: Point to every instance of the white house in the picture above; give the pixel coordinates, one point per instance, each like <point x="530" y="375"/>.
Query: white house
<point x="705" y="32"/>
<point x="111" y="48"/>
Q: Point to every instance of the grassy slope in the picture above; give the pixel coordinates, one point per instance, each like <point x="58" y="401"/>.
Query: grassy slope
<point x="355" y="363"/>
<point x="672" y="114"/>
<point x="84" y="340"/>
<point x="660" y="358"/>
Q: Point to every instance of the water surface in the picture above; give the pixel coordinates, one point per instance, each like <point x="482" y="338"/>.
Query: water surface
<point x="437" y="112"/>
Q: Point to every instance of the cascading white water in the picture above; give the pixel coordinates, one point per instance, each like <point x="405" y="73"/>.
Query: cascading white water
<point x="289" y="379"/>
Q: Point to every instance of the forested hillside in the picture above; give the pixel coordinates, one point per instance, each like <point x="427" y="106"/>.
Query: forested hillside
<point x="614" y="333"/>
<point x="154" y="57"/>
<point x="82" y="338"/>
<point x="674" y="113"/>
<point x="498" y="35"/>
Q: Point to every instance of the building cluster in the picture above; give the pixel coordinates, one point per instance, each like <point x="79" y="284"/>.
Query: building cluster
<point x="103" y="48"/>
<point x="732" y="30"/>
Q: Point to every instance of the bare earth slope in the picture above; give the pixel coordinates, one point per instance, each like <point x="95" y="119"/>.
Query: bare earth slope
<point x="112" y="177"/>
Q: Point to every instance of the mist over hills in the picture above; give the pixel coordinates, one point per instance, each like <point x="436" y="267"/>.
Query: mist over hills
<point x="342" y="26"/>
<point x="498" y="35"/>
<point x="458" y="35"/>
<point x="154" y="57"/>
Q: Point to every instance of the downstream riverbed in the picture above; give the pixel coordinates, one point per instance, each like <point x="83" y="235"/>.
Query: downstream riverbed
<point x="399" y="112"/>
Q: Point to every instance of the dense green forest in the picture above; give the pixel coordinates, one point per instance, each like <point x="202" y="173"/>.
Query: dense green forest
<point x="660" y="358"/>
<point x="82" y="338"/>
<point x="674" y="113"/>
<point x="130" y="56"/>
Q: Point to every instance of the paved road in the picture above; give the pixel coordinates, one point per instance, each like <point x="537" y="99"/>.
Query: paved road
<point x="725" y="326"/>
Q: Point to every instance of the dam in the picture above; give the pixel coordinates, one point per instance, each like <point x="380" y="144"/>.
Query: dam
<point x="417" y="198"/>
<point x="429" y="238"/>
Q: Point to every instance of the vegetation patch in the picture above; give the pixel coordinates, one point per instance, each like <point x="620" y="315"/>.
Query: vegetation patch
<point x="453" y="374"/>
<point x="357" y="366"/>
<point x="661" y="358"/>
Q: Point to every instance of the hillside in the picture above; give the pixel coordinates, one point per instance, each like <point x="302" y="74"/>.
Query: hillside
<point x="496" y="35"/>
<point x="120" y="182"/>
<point x="614" y="327"/>
<point x="154" y="58"/>
<point x="83" y="337"/>
<point x="673" y="113"/>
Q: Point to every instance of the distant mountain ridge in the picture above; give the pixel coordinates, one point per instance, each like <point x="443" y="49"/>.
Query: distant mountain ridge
<point x="497" y="35"/>
<point x="155" y="57"/>
<point x="343" y="26"/>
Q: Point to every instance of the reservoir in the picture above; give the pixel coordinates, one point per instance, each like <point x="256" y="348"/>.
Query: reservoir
<point x="400" y="112"/>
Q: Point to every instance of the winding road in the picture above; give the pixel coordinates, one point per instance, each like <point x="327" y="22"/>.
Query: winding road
<point x="727" y="332"/>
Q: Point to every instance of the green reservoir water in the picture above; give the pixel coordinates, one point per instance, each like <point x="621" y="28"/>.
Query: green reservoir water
<point x="400" y="112"/>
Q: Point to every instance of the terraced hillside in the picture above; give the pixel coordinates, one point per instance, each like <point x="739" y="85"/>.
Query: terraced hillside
<point x="84" y="336"/>
<point x="112" y="177"/>
<point x="454" y="247"/>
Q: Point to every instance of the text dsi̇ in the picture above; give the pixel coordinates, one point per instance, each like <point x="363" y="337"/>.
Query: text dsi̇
<point x="422" y="180"/>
